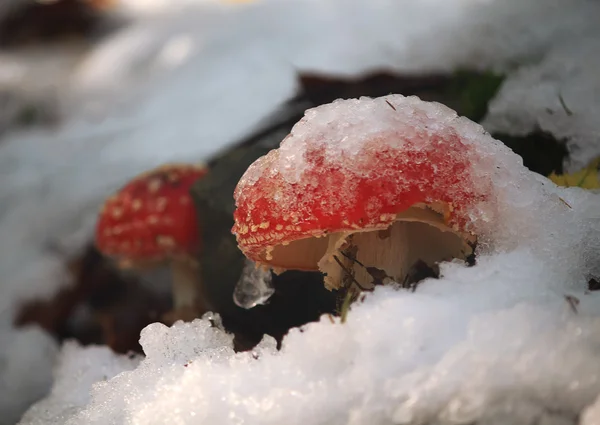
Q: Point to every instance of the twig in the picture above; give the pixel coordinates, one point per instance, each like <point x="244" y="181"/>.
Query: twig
<point x="564" y="105"/>
<point x="349" y="274"/>
<point x="565" y="202"/>
<point x="377" y="274"/>
<point x="573" y="302"/>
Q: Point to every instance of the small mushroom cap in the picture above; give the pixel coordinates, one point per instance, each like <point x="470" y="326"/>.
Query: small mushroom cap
<point x="356" y="165"/>
<point x="152" y="218"/>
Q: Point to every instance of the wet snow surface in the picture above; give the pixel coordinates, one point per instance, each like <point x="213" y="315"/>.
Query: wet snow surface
<point x="496" y="343"/>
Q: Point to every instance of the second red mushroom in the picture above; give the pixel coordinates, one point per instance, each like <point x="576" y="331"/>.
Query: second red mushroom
<point x="152" y="221"/>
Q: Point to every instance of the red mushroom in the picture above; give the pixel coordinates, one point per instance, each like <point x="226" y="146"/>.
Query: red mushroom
<point x="152" y="221"/>
<point x="364" y="190"/>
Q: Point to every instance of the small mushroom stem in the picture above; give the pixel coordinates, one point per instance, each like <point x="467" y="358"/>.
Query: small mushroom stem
<point x="188" y="289"/>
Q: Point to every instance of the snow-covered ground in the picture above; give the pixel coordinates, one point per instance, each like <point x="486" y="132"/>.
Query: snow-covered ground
<point x="182" y="83"/>
<point x="556" y="95"/>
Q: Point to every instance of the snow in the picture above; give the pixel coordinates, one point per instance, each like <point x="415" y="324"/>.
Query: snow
<point x="84" y="367"/>
<point x="480" y="344"/>
<point x="184" y="83"/>
<point x="560" y="95"/>
<point x="591" y="415"/>
<point x="26" y="361"/>
<point x="338" y="37"/>
<point x="453" y="352"/>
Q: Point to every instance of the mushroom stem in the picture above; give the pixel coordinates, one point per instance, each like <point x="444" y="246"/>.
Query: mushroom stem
<point x="188" y="289"/>
<point x="369" y="258"/>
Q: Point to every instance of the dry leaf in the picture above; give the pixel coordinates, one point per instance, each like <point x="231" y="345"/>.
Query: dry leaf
<point x="588" y="178"/>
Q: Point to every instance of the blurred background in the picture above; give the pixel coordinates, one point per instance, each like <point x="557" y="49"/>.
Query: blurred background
<point x="93" y="92"/>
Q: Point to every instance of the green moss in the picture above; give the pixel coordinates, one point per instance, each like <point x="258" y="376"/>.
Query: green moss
<point x="27" y="116"/>
<point x="470" y="92"/>
<point x="467" y="92"/>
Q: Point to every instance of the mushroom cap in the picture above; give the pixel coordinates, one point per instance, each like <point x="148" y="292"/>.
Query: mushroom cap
<point x="356" y="165"/>
<point x="152" y="218"/>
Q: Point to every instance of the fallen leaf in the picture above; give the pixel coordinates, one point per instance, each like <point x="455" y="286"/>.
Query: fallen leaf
<point x="587" y="178"/>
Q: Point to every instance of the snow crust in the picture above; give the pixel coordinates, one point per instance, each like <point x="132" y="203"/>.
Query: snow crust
<point x="188" y="81"/>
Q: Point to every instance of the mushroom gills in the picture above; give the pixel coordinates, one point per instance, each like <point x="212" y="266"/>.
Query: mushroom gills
<point x="367" y="257"/>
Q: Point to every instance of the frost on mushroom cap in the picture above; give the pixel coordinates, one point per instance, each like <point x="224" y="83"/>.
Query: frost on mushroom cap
<point x="358" y="163"/>
<point x="152" y="217"/>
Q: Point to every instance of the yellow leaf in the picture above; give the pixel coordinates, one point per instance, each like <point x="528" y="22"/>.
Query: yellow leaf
<point x="588" y="178"/>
